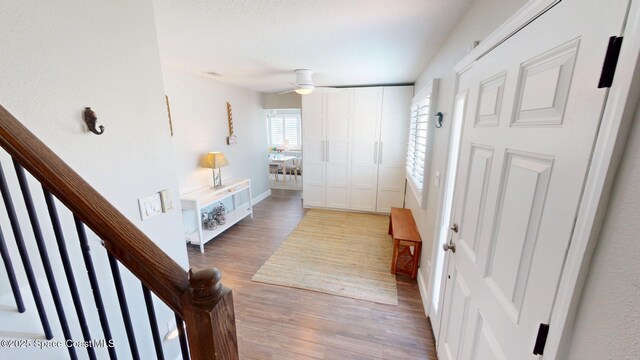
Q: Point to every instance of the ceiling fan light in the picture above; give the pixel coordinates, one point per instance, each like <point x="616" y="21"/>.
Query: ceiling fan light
<point x="303" y="91"/>
<point x="304" y="88"/>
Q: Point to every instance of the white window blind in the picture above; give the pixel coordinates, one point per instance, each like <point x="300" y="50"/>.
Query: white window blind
<point x="292" y="131"/>
<point x="277" y="131"/>
<point x="420" y="138"/>
<point x="285" y="129"/>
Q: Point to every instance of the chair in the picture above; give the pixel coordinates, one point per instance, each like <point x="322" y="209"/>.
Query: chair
<point x="274" y="169"/>
<point x="295" y="169"/>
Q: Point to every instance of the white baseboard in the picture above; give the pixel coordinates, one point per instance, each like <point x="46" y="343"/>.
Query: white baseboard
<point x="261" y="197"/>
<point x="423" y="286"/>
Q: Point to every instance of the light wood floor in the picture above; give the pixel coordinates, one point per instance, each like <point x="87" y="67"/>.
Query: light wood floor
<point x="275" y="322"/>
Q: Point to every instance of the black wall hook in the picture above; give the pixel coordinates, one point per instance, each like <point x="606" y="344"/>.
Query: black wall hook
<point x="439" y="115"/>
<point x="90" y="119"/>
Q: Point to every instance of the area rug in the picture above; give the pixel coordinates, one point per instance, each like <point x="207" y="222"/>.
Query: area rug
<point x="340" y="253"/>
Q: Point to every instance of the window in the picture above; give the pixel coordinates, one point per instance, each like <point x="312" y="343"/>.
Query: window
<point x="285" y="129"/>
<point x="419" y="145"/>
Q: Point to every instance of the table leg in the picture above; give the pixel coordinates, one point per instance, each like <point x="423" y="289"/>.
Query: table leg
<point x="250" y="201"/>
<point x="394" y="259"/>
<point x="284" y="172"/>
<point x="200" y="231"/>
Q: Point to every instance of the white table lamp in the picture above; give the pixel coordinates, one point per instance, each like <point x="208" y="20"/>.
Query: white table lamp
<point x="215" y="161"/>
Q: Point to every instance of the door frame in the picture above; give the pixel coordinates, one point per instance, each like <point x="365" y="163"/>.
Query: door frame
<point x="617" y="116"/>
<point x="449" y="180"/>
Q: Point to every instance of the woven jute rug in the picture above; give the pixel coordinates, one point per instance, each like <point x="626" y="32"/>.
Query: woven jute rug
<point x="340" y="253"/>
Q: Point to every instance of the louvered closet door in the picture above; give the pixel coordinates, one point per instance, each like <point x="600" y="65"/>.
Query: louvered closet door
<point x="337" y="148"/>
<point x="365" y="145"/>
<point x="392" y="148"/>
<point x="533" y="114"/>
<point x="313" y="149"/>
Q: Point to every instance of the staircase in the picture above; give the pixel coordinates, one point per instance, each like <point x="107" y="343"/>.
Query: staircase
<point x="61" y="302"/>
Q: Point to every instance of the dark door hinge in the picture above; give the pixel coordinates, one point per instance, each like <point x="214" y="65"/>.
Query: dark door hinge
<point x="541" y="340"/>
<point x="610" y="62"/>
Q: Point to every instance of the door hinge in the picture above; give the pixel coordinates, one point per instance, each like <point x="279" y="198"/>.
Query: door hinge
<point x="541" y="340"/>
<point x="610" y="62"/>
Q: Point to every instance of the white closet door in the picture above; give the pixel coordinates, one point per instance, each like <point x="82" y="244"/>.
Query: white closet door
<point x="392" y="149"/>
<point x="364" y="148"/>
<point x="313" y="148"/>
<point x="338" y="158"/>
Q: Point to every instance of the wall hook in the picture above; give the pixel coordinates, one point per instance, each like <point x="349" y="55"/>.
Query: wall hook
<point x="90" y="119"/>
<point x="439" y="116"/>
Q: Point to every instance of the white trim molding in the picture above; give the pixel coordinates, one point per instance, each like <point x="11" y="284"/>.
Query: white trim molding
<point x="423" y="286"/>
<point x="261" y="197"/>
<point x="531" y="11"/>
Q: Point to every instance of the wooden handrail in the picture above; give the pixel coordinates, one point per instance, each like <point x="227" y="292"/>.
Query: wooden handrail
<point x="199" y="298"/>
<point x="122" y="239"/>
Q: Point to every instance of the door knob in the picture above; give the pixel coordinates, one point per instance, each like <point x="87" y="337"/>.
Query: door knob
<point x="454" y="227"/>
<point x="449" y="246"/>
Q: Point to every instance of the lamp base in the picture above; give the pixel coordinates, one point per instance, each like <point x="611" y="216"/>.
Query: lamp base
<point x="217" y="179"/>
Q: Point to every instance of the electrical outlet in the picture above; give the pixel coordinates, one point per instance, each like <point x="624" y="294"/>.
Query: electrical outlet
<point x="150" y="206"/>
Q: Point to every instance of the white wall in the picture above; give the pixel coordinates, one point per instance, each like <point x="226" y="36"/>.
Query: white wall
<point x="199" y="114"/>
<point x="480" y="19"/>
<point x="58" y="57"/>
<point x="607" y="323"/>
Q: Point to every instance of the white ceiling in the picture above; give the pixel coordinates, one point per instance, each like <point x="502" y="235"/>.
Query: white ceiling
<point x="257" y="44"/>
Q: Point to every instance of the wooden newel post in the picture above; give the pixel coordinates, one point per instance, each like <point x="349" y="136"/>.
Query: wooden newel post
<point x="209" y="317"/>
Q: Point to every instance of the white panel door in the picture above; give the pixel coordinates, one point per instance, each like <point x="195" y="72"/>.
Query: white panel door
<point x="365" y="139"/>
<point x="392" y="149"/>
<point x="337" y="148"/>
<point x="534" y="110"/>
<point x="313" y="148"/>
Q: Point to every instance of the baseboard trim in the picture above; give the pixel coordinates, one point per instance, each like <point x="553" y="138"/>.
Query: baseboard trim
<point x="344" y="210"/>
<point x="423" y="287"/>
<point x="261" y="197"/>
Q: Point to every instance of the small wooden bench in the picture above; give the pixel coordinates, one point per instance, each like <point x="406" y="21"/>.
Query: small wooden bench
<point x="404" y="232"/>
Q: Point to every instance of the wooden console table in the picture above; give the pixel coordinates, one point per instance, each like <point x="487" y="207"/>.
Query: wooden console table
<point x="231" y="194"/>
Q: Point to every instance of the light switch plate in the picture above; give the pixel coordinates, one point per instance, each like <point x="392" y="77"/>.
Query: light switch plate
<point x="437" y="178"/>
<point x="150" y="206"/>
<point x="167" y="202"/>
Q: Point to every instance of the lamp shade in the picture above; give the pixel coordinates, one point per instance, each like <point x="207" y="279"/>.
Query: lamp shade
<point x="214" y="160"/>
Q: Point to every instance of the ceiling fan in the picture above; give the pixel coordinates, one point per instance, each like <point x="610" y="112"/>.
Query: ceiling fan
<point x="304" y="84"/>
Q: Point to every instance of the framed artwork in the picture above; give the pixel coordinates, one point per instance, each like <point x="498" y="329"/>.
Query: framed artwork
<point x="231" y="139"/>
<point x="169" y="114"/>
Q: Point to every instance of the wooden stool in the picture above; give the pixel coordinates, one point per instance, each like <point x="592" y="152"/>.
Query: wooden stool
<point x="404" y="232"/>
